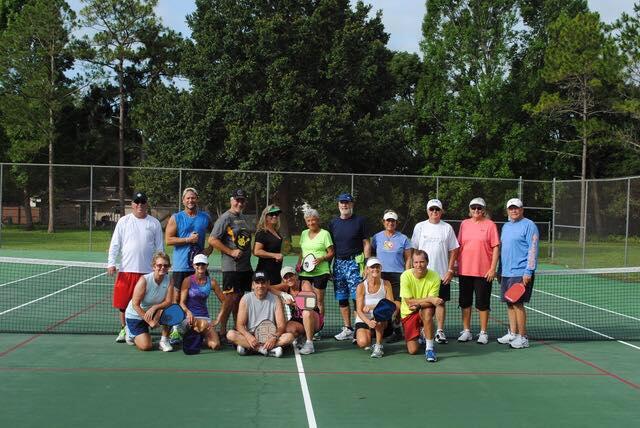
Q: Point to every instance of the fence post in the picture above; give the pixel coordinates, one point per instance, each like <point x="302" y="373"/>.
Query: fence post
<point x="553" y="220"/>
<point x="352" y="185"/>
<point x="437" y="187"/>
<point x="584" y="231"/>
<point x="268" y="184"/>
<point x="520" y="188"/>
<point x="1" y="201"/>
<point x="626" y="231"/>
<point x="179" y="188"/>
<point x="91" y="217"/>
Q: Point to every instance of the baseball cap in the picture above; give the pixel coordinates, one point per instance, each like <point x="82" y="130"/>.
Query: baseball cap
<point x="373" y="261"/>
<point x="478" y="201"/>
<point x="287" y="270"/>
<point x="390" y="214"/>
<point x="274" y="209"/>
<point x="200" y="258"/>
<point x="189" y="189"/>
<point x="345" y="197"/>
<point x="434" y="203"/>
<point x="239" y="194"/>
<point x="514" y="202"/>
<point x="139" y="198"/>
<point x="260" y="276"/>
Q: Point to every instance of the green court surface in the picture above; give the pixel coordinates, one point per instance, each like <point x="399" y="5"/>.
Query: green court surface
<point x="88" y="380"/>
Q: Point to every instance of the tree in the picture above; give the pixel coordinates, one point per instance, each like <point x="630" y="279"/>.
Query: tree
<point x="35" y="54"/>
<point x="583" y="64"/>
<point x="120" y="26"/>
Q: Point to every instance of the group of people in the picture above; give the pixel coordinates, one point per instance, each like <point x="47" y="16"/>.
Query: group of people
<point x="415" y="273"/>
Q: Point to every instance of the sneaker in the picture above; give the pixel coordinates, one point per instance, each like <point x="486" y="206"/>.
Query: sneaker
<point x="519" y="342"/>
<point x="165" y="345"/>
<point x="122" y="336"/>
<point x="507" y="338"/>
<point x="129" y="340"/>
<point x="430" y="355"/>
<point x="175" y="337"/>
<point x="465" y="336"/>
<point x="307" y="348"/>
<point x="396" y="336"/>
<point x="483" y="338"/>
<point x="378" y="351"/>
<point x="276" y="352"/>
<point x="440" y="337"/>
<point x="263" y="351"/>
<point x="345" y="334"/>
<point x="317" y="336"/>
<point x="241" y="350"/>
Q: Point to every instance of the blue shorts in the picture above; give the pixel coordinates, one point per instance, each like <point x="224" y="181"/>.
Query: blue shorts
<point x="346" y="277"/>
<point x="508" y="281"/>
<point x="136" y="327"/>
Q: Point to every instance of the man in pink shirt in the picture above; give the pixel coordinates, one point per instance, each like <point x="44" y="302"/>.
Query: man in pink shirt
<point x="477" y="261"/>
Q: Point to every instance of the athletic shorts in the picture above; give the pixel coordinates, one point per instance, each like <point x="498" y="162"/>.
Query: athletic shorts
<point x="136" y="327"/>
<point x="508" y="281"/>
<point x="319" y="320"/>
<point x="412" y="324"/>
<point x="394" y="279"/>
<point x="123" y="288"/>
<point x="346" y="277"/>
<point x="178" y="277"/>
<point x="372" y="331"/>
<point x="478" y="285"/>
<point x="319" y="282"/>
<point x="236" y="282"/>
<point x="445" y="291"/>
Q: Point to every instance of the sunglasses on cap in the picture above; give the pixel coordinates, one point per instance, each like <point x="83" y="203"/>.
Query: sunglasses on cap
<point x="476" y="207"/>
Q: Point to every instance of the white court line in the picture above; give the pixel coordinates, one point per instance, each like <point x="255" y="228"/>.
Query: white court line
<point x="306" y="396"/>
<point x="577" y="325"/>
<point x="587" y="304"/>
<point x="52" y="294"/>
<point x="33" y="276"/>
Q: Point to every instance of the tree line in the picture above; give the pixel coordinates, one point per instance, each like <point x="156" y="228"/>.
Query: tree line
<point x="502" y="88"/>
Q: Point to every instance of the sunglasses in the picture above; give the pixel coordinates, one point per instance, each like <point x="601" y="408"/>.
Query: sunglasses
<point x="240" y="200"/>
<point x="392" y="220"/>
<point x="476" y="207"/>
<point x="201" y="264"/>
<point x="276" y="214"/>
<point x="163" y="266"/>
<point x="436" y="209"/>
<point x="140" y="201"/>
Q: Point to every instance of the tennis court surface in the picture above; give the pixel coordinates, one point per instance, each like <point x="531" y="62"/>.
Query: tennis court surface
<point x="581" y="368"/>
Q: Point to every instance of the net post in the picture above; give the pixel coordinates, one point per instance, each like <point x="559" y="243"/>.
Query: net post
<point x="268" y="184"/>
<point x="626" y="231"/>
<point x="553" y="220"/>
<point x="91" y="217"/>
<point x="584" y="226"/>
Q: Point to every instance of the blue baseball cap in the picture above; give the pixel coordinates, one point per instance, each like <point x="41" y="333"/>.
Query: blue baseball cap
<point x="345" y="197"/>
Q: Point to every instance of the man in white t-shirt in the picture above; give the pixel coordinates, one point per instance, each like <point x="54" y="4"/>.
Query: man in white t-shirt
<point x="438" y="239"/>
<point x="136" y="238"/>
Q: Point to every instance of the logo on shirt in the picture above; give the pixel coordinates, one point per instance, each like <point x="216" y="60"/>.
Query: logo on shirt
<point x="388" y="245"/>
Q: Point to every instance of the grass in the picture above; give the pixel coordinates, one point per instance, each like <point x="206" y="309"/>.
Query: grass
<point x="77" y="245"/>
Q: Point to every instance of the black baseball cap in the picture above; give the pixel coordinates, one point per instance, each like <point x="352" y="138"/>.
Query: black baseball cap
<point x="239" y="194"/>
<point x="139" y="198"/>
<point x="260" y="276"/>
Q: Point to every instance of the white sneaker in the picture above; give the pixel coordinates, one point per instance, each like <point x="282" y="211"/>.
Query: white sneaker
<point x="276" y="352"/>
<point x="263" y="351"/>
<point x="465" y="336"/>
<point x="317" y="336"/>
<point x="519" y="342"/>
<point x="441" y="337"/>
<point x="122" y="336"/>
<point x="378" y="351"/>
<point x="345" y="334"/>
<point x="507" y="338"/>
<point x="129" y="340"/>
<point x="164" y="345"/>
<point x="307" y="348"/>
<point x="483" y="338"/>
<point x="241" y="350"/>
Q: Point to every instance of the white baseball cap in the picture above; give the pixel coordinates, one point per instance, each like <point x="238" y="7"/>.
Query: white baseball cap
<point x="200" y="258"/>
<point x="287" y="270"/>
<point x="373" y="261"/>
<point x="434" y="203"/>
<point x="514" y="202"/>
<point x="478" y="201"/>
<point x="390" y="214"/>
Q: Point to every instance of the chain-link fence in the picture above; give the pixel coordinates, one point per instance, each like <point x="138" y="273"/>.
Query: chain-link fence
<point x="87" y="202"/>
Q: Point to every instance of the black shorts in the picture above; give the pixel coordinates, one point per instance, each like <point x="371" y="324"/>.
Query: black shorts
<point x="372" y="331"/>
<point x="319" y="282"/>
<point x="236" y="282"/>
<point x="445" y="291"/>
<point x="478" y="285"/>
<point x="178" y="277"/>
<point x="394" y="279"/>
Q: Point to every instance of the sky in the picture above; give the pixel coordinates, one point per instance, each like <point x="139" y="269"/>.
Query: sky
<point x="402" y="18"/>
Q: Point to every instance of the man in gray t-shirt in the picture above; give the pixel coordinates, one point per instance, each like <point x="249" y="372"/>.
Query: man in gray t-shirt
<point x="231" y="236"/>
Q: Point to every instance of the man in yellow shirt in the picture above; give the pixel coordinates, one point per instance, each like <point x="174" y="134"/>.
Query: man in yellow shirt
<point x="419" y="289"/>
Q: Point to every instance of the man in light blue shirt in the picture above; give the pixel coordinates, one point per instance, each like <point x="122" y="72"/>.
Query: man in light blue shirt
<point x="518" y="262"/>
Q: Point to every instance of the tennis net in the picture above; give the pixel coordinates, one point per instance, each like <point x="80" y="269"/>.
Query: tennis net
<point x="51" y="296"/>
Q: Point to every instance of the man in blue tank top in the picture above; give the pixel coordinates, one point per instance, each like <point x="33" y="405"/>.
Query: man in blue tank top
<point x="186" y="231"/>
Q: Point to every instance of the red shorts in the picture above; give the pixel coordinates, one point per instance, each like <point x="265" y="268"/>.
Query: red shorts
<point x="123" y="288"/>
<point x="412" y="324"/>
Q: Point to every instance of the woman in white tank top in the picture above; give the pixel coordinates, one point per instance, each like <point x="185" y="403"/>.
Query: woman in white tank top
<point x="368" y="294"/>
